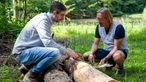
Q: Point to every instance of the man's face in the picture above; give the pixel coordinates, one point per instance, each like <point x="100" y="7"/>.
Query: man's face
<point x="102" y="21"/>
<point x="59" y="16"/>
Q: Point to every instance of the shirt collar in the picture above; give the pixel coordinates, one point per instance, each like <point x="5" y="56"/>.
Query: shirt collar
<point x="49" y="16"/>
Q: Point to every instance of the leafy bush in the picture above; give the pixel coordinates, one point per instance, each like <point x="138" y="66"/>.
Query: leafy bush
<point x="9" y="74"/>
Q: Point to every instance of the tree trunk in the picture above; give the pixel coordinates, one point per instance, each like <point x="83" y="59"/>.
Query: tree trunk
<point x="24" y="9"/>
<point x="15" y="11"/>
<point x="78" y="70"/>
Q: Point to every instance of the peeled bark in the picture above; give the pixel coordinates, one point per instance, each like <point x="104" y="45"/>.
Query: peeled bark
<point x="75" y="71"/>
<point x="84" y="72"/>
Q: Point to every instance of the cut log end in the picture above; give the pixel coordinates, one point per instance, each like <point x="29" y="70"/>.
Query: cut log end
<point x="56" y="76"/>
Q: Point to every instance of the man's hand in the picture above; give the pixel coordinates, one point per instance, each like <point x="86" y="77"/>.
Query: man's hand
<point x="91" y="58"/>
<point x="71" y="53"/>
<point x="103" y="61"/>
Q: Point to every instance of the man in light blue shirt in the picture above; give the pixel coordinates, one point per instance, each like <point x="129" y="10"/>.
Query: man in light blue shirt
<point x="34" y="46"/>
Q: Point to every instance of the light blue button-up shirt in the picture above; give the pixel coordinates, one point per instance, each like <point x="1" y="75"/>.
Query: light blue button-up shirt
<point x="36" y="33"/>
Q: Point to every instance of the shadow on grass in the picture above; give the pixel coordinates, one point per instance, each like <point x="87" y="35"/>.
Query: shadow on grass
<point x="137" y="40"/>
<point x="136" y="74"/>
<point x="131" y="74"/>
<point x="135" y="63"/>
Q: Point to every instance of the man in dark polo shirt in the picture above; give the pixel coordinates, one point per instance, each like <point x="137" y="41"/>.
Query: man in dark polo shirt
<point x="112" y="34"/>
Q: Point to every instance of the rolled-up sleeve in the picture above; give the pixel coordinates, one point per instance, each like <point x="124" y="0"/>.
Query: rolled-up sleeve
<point x="43" y="29"/>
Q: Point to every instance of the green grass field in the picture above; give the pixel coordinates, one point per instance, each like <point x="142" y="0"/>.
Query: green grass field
<point x="81" y="36"/>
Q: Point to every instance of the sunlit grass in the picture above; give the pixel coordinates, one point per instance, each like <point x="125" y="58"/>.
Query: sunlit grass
<point x="82" y="38"/>
<point x="73" y="29"/>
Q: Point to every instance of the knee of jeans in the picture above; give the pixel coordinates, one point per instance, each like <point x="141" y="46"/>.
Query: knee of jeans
<point x="56" y="51"/>
<point x="57" y="54"/>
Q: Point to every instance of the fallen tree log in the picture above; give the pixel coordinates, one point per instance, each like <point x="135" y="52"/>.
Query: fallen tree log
<point x="76" y="71"/>
<point x="56" y="73"/>
<point x="84" y="72"/>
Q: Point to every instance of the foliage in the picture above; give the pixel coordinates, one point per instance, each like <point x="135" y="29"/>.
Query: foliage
<point x="9" y="74"/>
<point x="76" y="9"/>
<point x="82" y="9"/>
<point x="87" y="9"/>
<point x="10" y="29"/>
<point x="120" y="7"/>
<point x="39" y="7"/>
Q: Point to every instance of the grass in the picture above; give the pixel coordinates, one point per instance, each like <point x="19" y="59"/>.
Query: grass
<point x="135" y="66"/>
<point x="81" y="37"/>
<point x="79" y="34"/>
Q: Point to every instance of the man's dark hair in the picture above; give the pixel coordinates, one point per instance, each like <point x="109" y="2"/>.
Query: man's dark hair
<point x="58" y="6"/>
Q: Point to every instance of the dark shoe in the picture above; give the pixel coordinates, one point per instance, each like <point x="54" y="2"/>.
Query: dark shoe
<point x="31" y="77"/>
<point x="110" y="61"/>
<point x="108" y="68"/>
<point x="120" y="71"/>
<point x="23" y="69"/>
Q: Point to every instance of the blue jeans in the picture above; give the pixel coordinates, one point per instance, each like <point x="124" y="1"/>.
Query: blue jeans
<point x="40" y="57"/>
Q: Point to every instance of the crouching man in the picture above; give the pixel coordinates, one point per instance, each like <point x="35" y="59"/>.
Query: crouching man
<point x="34" y="46"/>
<point x="112" y="34"/>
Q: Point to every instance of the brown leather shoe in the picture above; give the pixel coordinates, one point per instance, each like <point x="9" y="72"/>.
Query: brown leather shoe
<point x="31" y="77"/>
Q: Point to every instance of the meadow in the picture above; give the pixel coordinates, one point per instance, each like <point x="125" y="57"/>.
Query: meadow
<point x="79" y="35"/>
<point x="82" y="35"/>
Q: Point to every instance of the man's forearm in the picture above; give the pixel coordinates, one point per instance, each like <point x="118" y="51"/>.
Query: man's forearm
<point x="111" y="53"/>
<point x="72" y="53"/>
<point x="94" y="46"/>
<point x="117" y="43"/>
<point x="93" y="49"/>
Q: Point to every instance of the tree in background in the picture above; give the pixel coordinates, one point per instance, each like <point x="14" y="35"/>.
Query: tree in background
<point x="88" y="8"/>
<point x="15" y="13"/>
<point x="15" y="10"/>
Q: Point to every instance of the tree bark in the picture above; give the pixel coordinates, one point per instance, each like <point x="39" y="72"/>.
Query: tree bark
<point x="15" y="11"/>
<point x="56" y="73"/>
<point x="76" y="71"/>
<point x="24" y="9"/>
